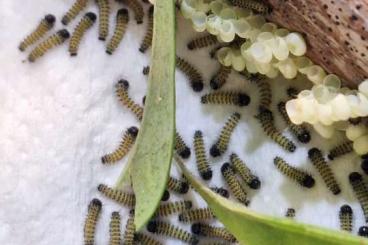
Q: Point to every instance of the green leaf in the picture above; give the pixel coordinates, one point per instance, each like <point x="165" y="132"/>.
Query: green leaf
<point x="149" y="164"/>
<point x="252" y="228"/>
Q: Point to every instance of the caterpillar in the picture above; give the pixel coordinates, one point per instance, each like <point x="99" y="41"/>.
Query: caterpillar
<point x="265" y="118"/>
<point x="219" y="79"/>
<point x="123" y="198"/>
<point x="104" y="12"/>
<point x="251" y="4"/>
<point x="241" y="168"/>
<point x="301" y="133"/>
<point x="315" y="155"/>
<point x="290" y="213"/>
<point x="252" y="77"/>
<point x="137" y="9"/>
<point x="125" y="145"/>
<point x="177" y="186"/>
<point x="198" y="214"/>
<point x="196" y="80"/>
<point x="265" y="93"/>
<point x="233" y="183"/>
<point x="292" y="92"/>
<point x="142" y="238"/>
<point x="181" y="148"/>
<point x="202" y="163"/>
<point x="361" y="191"/>
<point x="346" y="218"/>
<point x="146" y="70"/>
<point x="340" y="150"/>
<point x="165" y="196"/>
<point x="213" y="232"/>
<point x="364" y="165"/>
<point x="46" y="24"/>
<point x="94" y="209"/>
<point x="115" y="237"/>
<point x="86" y="22"/>
<point x="122" y="92"/>
<point x="54" y="40"/>
<point x="129" y="230"/>
<point x="76" y="8"/>
<point x="201" y="42"/>
<point x="363" y="231"/>
<point x="301" y="177"/>
<point x="221" y="191"/>
<point x="226" y="98"/>
<point x="223" y="140"/>
<point x="167" y="229"/>
<point x="147" y="40"/>
<point x="170" y="208"/>
<point x="122" y="19"/>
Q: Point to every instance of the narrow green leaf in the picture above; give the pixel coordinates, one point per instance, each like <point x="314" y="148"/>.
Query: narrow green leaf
<point x="150" y="162"/>
<point x="252" y="228"/>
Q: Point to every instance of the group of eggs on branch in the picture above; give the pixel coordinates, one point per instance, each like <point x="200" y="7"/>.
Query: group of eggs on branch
<point x="266" y="49"/>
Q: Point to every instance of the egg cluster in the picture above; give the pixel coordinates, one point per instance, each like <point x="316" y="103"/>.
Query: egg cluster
<point x="328" y="107"/>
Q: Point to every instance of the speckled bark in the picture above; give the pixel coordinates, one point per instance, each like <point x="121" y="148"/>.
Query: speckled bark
<point x="336" y="32"/>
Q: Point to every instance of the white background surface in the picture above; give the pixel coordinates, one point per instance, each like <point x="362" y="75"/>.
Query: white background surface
<point x="59" y="115"/>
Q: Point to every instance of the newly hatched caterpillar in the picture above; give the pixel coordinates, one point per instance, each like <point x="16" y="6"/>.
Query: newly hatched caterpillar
<point x="86" y="22"/>
<point x="251" y="4"/>
<point x="123" y="198"/>
<point x="146" y="70"/>
<point x="223" y="140"/>
<point x="125" y="145"/>
<point x="301" y="133"/>
<point x="129" y="230"/>
<point x="221" y="191"/>
<point x="292" y="92"/>
<point x="198" y="214"/>
<point x="361" y="191"/>
<point x="94" y="210"/>
<point x="167" y="229"/>
<point x="200" y="152"/>
<point x="241" y="168"/>
<point x="301" y="177"/>
<point x="54" y="40"/>
<point x="212" y="232"/>
<point x="122" y="92"/>
<point x="290" y="213"/>
<point x="252" y="77"/>
<point x="265" y="93"/>
<point x="177" y="186"/>
<point x="265" y="118"/>
<point x="355" y="121"/>
<point x="147" y="40"/>
<point x="141" y="238"/>
<point x="317" y="159"/>
<point x="340" y="150"/>
<point x="226" y="98"/>
<point x="196" y="80"/>
<point x="201" y="42"/>
<point x="363" y="231"/>
<point x="181" y="148"/>
<point x="76" y="8"/>
<point x="137" y="9"/>
<point x="122" y="19"/>
<point x="346" y="218"/>
<point x="46" y="24"/>
<point x="219" y="79"/>
<point x="233" y="183"/>
<point x="115" y="236"/>
<point x="170" y="208"/>
<point x="104" y="12"/>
